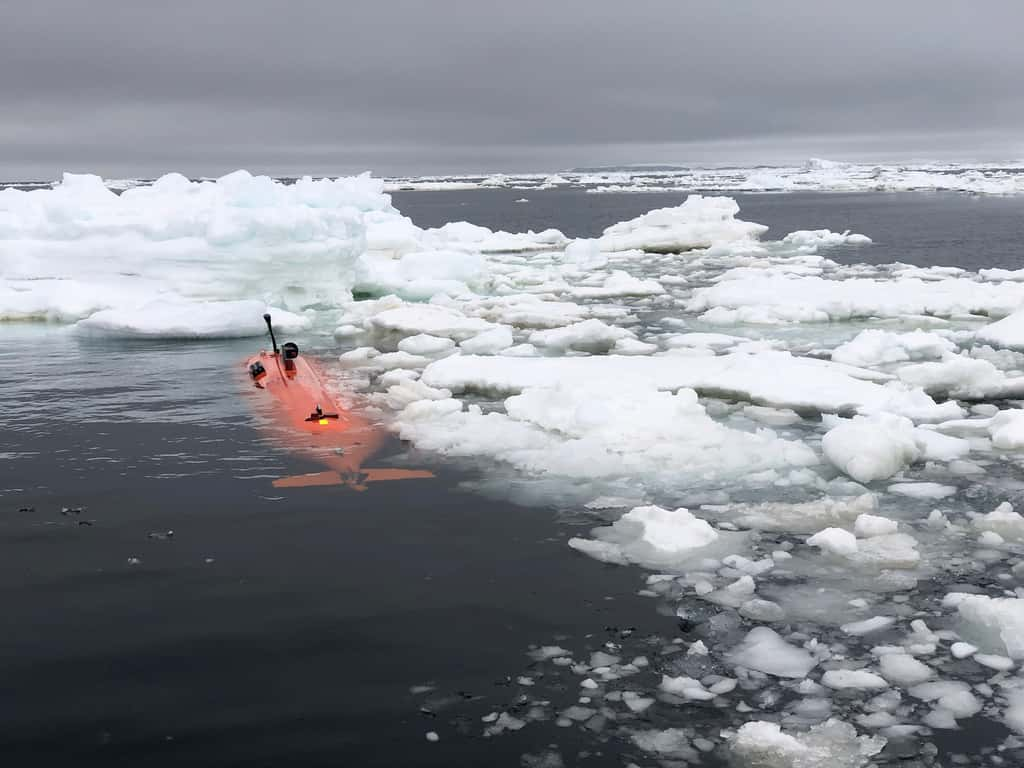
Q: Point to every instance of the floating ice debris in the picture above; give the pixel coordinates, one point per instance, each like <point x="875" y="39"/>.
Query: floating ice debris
<point x="423" y="344"/>
<point x="832" y="743"/>
<point x="923" y="490"/>
<point x="548" y="652"/>
<point x="1003" y="521"/>
<point x="867" y="525"/>
<point x="992" y="623"/>
<point x="649" y="535"/>
<point x="700" y="222"/>
<point x="904" y="670"/>
<point x="962" y="650"/>
<point x="872" y="348"/>
<point x="874" y="448"/>
<point x="504" y="722"/>
<point x="776" y="299"/>
<point x="867" y="626"/>
<point x="1008" y="332"/>
<point x="853" y="678"/>
<point x="669" y="743"/>
<point x="835" y="540"/>
<point x="797" y="517"/>
<point x="765" y="651"/>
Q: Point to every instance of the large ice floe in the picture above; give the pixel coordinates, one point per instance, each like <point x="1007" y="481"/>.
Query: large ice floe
<point x="814" y="463"/>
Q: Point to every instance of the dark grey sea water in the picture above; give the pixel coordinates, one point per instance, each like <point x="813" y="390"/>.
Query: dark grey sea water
<point x="286" y="628"/>
<point x="922" y="228"/>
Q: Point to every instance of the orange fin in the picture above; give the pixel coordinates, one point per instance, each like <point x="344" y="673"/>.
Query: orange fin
<point x="356" y="481"/>
<point x="312" y="479"/>
<point x="380" y="475"/>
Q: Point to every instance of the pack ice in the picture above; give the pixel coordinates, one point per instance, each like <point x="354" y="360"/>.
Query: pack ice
<point x="791" y="446"/>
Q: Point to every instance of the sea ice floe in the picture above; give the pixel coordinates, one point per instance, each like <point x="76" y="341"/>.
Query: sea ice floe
<point x="765" y="651"/>
<point x="796" y="517"/>
<point x="872" y="348"/>
<point x="774" y="299"/>
<point x="993" y="623"/>
<point x="181" y="319"/>
<point x="1008" y="332"/>
<point x="870" y="449"/>
<point x="832" y="743"/>
<point x="775" y="378"/>
<point x="71" y="251"/>
<point x="699" y="222"/>
<point x="904" y="670"/>
<point x="599" y="431"/>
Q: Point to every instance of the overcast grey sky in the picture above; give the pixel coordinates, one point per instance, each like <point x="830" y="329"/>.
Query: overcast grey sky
<point x="139" y="87"/>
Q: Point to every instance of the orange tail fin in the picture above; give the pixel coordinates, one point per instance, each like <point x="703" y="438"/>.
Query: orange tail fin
<point x="356" y="481"/>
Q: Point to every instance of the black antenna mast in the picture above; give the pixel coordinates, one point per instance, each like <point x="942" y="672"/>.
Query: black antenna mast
<point x="270" y="328"/>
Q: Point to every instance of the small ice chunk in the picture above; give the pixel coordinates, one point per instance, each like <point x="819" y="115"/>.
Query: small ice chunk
<point x="636" y="703"/>
<point x="853" y="678"/>
<point x="672" y="742"/>
<point x="546" y="652"/>
<point x="835" y="540"/>
<point x="423" y="344"/>
<point x="867" y="525"/>
<point x="648" y="533"/>
<point x="697" y="648"/>
<point x="962" y="650"/>
<point x="1003" y="521"/>
<point x="874" y="624"/>
<point x="489" y="342"/>
<point x="993" y="623"/>
<point x="686" y="688"/>
<point x="773" y="417"/>
<point x="765" y="651"/>
<point x="832" y="743"/>
<point x="922" y="490"/>
<point x="762" y="610"/>
<point x="590" y="335"/>
<point x="994" y="661"/>
<point x="871" y="448"/>
<point x="904" y="670"/>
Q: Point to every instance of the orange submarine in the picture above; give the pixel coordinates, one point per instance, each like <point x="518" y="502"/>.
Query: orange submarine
<point x="308" y="419"/>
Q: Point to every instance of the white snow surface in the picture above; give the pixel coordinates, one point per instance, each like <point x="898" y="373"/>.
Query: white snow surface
<point x="77" y="249"/>
<point x="783" y="299"/>
<point x="776" y="378"/>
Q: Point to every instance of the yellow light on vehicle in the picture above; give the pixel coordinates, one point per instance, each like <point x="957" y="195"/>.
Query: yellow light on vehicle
<point x="322" y="422"/>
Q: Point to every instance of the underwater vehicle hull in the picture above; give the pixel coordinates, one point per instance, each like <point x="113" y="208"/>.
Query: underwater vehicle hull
<point x="307" y="418"/>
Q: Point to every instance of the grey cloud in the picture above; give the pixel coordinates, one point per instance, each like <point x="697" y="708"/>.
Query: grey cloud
<point x="444" y="85"/>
